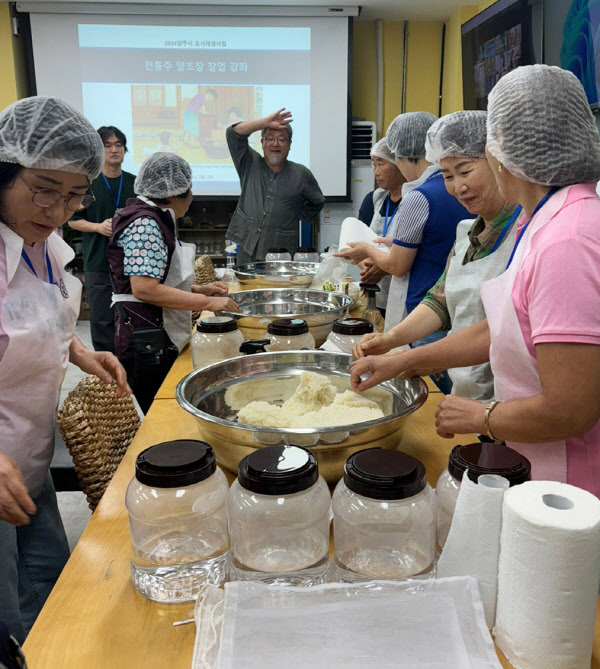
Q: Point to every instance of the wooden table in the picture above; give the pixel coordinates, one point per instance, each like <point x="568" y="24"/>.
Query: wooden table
<point x="94" y="619"/>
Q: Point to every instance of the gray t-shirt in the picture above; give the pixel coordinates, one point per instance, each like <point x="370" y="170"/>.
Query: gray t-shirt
<point x="271" y="203"/>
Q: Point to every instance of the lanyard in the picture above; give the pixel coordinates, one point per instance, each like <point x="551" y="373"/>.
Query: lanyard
<point x="540" y="204"/>
<point x="388" y="219"/>
<point x="506" y="228"/>
<point x="110" y="189"/>
<point x="31" y="267"/>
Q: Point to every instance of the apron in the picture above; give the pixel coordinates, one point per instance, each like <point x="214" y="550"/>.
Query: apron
<point x="377" y="226"/>
<point x="177" y="323"/>
<point x="515" y="370"/>
<point x="463" y="299"/>
<point x="39" y="319"/>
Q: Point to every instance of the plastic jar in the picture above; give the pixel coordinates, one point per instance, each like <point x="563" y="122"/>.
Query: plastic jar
<point x="178" y="521"/>
<point x="216" y="338"/>
<point x="289" y="334"/>
<point x="383" y="517"/>
<point x="279" y="512"/>
<point x="306" y="254"/>
<point x="278" y="254"/>
<point x="347" y="332"/>
<point x="478" y="458"/>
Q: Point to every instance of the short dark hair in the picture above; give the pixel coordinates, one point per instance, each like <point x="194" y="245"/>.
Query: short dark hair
<point x="8" y="173"/>
<point x="107" y="131"/>
<point x="164" y="200"/>
<point x="288" y="129"/>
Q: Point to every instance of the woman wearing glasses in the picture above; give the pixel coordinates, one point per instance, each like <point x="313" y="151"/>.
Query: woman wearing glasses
<point x="49" y="154"/>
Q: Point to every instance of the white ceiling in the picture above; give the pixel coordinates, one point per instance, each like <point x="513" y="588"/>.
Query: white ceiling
<point x="390" y="10"/>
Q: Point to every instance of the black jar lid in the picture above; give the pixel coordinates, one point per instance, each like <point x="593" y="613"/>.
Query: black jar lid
<point x="483" y="458"/>
<point x="175" y="464"/>
<point x="278" y="470"/>
<point x="217" y="324"/>
<point x="306" y="249"/>
<point x="352" y="326"/>
<point x="278" y="250"/>
<point x="381" y="473"/>
<point x="287" y="326"/>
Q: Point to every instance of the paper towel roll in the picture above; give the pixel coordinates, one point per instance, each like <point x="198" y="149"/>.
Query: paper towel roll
<point x="548" y="576"/>
<point x="473" y="544"/>
<point x="353" y="230"/>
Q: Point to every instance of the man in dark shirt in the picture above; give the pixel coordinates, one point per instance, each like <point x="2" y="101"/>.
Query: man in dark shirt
<point x="276" y="192"/>
<point x="111" y="189"/>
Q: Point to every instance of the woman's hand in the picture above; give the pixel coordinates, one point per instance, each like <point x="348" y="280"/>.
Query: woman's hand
<point x="222" y="304"/>
<point x="371" y="273"/>
<point x="15" y="502"/>
<point x="355" y="251"/>
<point x="103" y="364"/>
<point x="388" y="241"/>
<point x="374" y="343"/>
<point x="459" y="415"/>
<point x="380" y="367"/>
<point x="216" y="288"/>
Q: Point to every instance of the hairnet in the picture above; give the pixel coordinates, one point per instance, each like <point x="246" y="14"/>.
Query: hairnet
<point x="381" y="150"/>
<point x="47" y="133"/>
<point x="459" y="134"/>
<point x="406" y="134"/>
<point x="541" y="129"/>
<point x="163" y="174"/>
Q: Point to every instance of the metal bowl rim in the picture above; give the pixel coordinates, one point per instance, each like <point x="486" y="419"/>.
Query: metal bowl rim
<point x="197" y="413"/>
<point x="311" y="266"/>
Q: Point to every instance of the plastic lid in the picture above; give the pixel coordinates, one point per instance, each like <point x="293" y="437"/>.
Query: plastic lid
<point x="380" y="473"/>
<point x="251" y="346"/>
<point x="280" y="250"/>
<point x="306" y="249"/>
<point x="217" y="324"/>
<point x="352" y="326"/>
<point x="489" y="459"/>
<point x="278" y="470"/>
<point x="175" y="464"/>
<point x="287" y="326"/>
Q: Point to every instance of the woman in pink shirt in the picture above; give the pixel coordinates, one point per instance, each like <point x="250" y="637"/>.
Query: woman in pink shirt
<point x="542" y="332"/>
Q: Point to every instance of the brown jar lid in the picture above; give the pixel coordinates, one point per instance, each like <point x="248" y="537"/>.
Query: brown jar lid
<point x="482" y="458"/>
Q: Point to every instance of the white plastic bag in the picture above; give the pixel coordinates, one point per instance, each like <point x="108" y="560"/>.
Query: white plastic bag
<point x="331" y="273"/>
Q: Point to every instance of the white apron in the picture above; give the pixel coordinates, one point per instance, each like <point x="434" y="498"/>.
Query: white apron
<point x="515" y="370"/>
<point x="177" y="323"/>
<point x="463" y="299"/>
<point x="39" y="320"/>
<point x="377" y="224"/>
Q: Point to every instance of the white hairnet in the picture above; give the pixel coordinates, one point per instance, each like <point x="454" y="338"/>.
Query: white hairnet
<point x="462" y="133"/>
<point x="47" y="133"/>
<point x="163" y="174"/>
<point x="381" y="150"/>
<point x="406" y="134"/>
<point x="541" y="129"/>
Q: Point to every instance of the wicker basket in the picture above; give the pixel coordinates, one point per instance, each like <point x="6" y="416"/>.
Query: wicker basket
<point x="204" y="272"/>
<point x="97" y="427"/>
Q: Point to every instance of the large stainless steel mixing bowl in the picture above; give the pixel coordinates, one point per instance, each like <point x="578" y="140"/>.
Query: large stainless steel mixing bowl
<point x="215" y="393"/>
<point x="319" y="308"/>
<point x="276" y="274"/>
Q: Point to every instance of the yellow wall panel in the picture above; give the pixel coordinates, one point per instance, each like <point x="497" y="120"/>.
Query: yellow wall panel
<point x="364" y="71"/>
<point x="393" y="66"/>
<point x="423" y="66"/>
<point x="8" y="84"/>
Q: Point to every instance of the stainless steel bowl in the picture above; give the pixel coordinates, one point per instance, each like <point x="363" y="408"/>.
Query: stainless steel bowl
<point x="319" y="308"/>
<point x="214" y="395"/>
<point x="276" y="274"/>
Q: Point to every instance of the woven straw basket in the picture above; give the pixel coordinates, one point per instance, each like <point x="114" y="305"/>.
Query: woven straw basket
<point x="204" y="272"/>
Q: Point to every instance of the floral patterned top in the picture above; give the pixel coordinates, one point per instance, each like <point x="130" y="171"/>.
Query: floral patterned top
<point x="144" y="249"/>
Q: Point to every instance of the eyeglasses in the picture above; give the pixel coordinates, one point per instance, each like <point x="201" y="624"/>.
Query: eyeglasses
<point x="276" y="140"/>
<point x="46" y="197"/>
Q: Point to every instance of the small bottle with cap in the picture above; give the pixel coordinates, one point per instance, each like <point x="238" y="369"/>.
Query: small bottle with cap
<point x="279" y="512"/>
<point x="346" y="332"/>
<point x="383" y="517"/>
<point x="178" y="521"/>
<point x="479" y="459"/>
<point x="289" y="334"/>
<point x="306" y="254"/>
<point x="276" y="253"/>
<point x="216" y="338"/>
<point x="371" y="312"/>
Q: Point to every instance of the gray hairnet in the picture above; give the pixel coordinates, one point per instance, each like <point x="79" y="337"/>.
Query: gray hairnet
<point x="381" y="150"/>
<point x="541" y="129"/>
<point x="163" y="174"/>
<point x="406" y="134"/>
<point x="47" y="133"/>
<point x="462" y="133"/>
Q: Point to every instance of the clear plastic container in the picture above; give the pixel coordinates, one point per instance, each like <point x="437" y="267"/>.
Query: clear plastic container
<point x="278" y="254"/>
<point x="279" y="515"/>
<point x="479" y="459"/>
<point x="215" y="338"/>
<point x="347" y="332"/>
<point x="289" y="334"/>
<point x="383" y="518"/>
<point x="178" y="521"/>
<point x="306" y="254"/>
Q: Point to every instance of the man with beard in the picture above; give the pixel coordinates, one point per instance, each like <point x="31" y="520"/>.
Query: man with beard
<point x="276" y="192"/>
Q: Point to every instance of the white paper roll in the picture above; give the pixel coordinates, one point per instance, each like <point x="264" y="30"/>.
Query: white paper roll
<point x="473" y="544"/>
<point x="353" y="230"/>
<point x="548" y="576"/>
